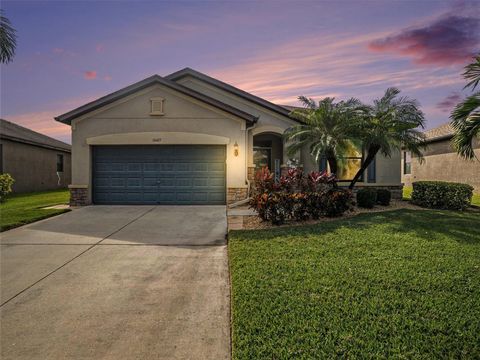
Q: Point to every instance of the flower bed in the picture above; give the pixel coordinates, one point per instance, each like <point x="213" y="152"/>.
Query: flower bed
<point x="298" y="196"/>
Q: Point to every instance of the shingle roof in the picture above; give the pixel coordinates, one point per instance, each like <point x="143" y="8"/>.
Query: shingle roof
<point x="229" y="88"/>
<point x="15" y="132"/>
<point x="441" y="132"/>
<point x="152" y="80"/>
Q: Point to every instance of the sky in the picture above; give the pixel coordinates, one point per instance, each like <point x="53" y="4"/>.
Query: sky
<point x="72" y="52"/>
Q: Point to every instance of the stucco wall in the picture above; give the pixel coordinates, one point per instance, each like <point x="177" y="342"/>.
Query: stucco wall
<point x="443" y="164"/>
<point x="182" y="115"/>
<point x="34" y="168"/>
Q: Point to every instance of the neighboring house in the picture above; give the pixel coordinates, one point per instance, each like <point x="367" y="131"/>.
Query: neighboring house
<point x="186" y="138"/>
<point x="441" y="161"/>
<point x="36" y="162"/>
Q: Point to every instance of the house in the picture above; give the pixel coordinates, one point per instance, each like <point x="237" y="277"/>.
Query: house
<point x="186" y="138"/>
<point x="36" y="162"/>
<point x="441" y="161"/>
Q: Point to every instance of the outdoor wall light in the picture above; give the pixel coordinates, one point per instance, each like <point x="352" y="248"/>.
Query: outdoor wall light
<point x="235" y="149"/>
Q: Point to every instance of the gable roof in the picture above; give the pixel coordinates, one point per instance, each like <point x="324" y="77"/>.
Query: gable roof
<point x="228" y="88"/>
<point x="152" y="80"/>
<point x="442" y="132"/>
<point x="14" y="132"/>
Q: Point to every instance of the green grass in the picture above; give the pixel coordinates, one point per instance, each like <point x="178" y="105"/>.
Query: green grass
<point x="403" y="284"/>
<point x="407" y="195"/>
<point x="20" y="209"/>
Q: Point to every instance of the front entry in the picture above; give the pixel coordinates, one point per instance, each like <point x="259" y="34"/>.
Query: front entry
<point x="159" y="174"/>
<point x="268" y="152"/>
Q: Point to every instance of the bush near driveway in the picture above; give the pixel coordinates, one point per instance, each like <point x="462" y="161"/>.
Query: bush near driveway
<point x="21" y="209"/>
<point x="442" y="195"/>
<point x="400" y="284"/>
<point x="297" y="196"/>
<point x="6" y="182"/>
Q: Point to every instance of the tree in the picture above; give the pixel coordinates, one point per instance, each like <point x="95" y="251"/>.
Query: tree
<point x="387" y="125"/>
<point x="326" y="128"/>
<point x="8" y="39"/>
<point x="466" y="115"/>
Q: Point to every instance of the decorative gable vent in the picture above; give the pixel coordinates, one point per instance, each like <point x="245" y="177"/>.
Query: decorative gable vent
<point x="156" y="106"/>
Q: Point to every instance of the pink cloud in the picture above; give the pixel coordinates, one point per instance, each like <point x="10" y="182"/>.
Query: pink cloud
<point x="58" y="50"/>
<point x="107" y="78"/>
<point x="447" y="104"/>
<point x="447" y="40"/>
<point x="43" y="121"/>
<point x="99" y="48"/>
<point x="90" y="75"/>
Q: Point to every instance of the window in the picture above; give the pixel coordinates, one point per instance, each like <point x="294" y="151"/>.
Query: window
<point x="347" y="166"/>
<point x="262" y="156"/>
<point x="407" y="162"/>
<point x="59" y="163"/>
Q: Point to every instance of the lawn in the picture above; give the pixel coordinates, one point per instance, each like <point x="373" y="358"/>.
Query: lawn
<point x="400" y="284"/>
<point x="22" y="209"/>
<point x="407" y="195"/>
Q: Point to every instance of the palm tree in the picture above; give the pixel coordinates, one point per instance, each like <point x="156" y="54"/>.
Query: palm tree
<point x="466" y="115"/>
<point x="387" y="125"/>
<point x="8" y="39"/>
<point x="326" y="129"/>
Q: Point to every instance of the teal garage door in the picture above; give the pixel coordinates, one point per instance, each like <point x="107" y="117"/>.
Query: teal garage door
<point x="159" y="174"/>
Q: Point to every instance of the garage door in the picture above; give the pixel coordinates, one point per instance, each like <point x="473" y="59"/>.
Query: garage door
<point x="159" y="174"/>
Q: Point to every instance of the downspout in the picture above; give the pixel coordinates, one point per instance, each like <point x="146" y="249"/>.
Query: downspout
<point x="246" y="159"/>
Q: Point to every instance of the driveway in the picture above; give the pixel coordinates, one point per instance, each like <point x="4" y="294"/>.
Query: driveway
<point x="117" y="282"/>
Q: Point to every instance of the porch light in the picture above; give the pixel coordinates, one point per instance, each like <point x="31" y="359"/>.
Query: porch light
<point x="235" y="149"/>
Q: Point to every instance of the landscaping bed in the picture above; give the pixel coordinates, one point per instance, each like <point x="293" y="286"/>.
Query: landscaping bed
<point x="21" y="209"/>
<point x="396" y="284"/>
<point x="255" y="222"/>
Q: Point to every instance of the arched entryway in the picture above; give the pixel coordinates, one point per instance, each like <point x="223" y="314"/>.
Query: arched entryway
<point x="268" y="151"/>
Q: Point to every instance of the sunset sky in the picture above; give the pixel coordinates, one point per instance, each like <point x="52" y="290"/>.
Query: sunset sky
<point x="72" y="52"/>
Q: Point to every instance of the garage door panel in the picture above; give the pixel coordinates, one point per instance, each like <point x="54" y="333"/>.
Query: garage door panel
<point x="173" y="174"/>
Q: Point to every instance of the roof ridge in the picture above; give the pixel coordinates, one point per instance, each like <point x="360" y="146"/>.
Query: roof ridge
<point x="139" y="85"/>
<point x="227" y="87"/>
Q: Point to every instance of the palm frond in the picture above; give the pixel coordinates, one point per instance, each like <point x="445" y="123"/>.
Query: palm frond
<point x="8" y="39"/>
<point x="472" y="73"/>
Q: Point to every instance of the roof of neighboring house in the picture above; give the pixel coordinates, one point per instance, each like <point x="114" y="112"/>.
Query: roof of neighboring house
<point x="442" y="132"/>
<point x="152" y="80"/>
<point x="15" y="132"/>
<point x="229" y="88"/>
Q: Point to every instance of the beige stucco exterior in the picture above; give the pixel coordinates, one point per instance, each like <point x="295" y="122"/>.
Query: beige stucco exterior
<point x="34" y="167"/>
<point x="442" y="163"/>
<point x="186" y="120"/>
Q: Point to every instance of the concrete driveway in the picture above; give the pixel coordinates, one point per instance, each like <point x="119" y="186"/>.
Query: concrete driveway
<point x="117" y="282"/>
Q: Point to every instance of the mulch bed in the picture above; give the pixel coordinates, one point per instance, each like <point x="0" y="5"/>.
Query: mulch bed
<point x="255" y="223"/>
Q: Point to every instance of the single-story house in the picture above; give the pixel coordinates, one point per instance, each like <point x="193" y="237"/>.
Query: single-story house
<point x="187" y="138"/>
<point x="36" y="162"/>
<point x="441" y="163"/>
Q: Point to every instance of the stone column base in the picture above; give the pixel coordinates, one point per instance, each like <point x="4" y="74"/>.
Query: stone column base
<point x="78" y="195"/>
<point x="236" y="194"/>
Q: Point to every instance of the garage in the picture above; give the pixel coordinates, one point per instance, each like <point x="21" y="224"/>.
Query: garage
<point x="159" y="174"/>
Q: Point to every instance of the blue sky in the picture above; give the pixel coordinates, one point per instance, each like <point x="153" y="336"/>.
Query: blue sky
<point x="71" y="52"/>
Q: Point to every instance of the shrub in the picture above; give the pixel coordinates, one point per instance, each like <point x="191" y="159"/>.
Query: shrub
<point x="442" y="195"/>
<point x="366" y="198"/>
<point x="336" y="201"/>
<point x="6" y="182"/>
<point x="384" y="196"/>
<point x="297" y="196"/>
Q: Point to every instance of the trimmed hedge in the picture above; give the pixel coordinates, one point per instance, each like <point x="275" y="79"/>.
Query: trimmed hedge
<point x="384" y="196"/>
<point x="366" y="198"/>
<point x="442" y="195"/>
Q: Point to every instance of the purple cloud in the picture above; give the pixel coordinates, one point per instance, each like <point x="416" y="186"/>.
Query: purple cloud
<point x="447" y="104"/>
<point x="448" y="40"/>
